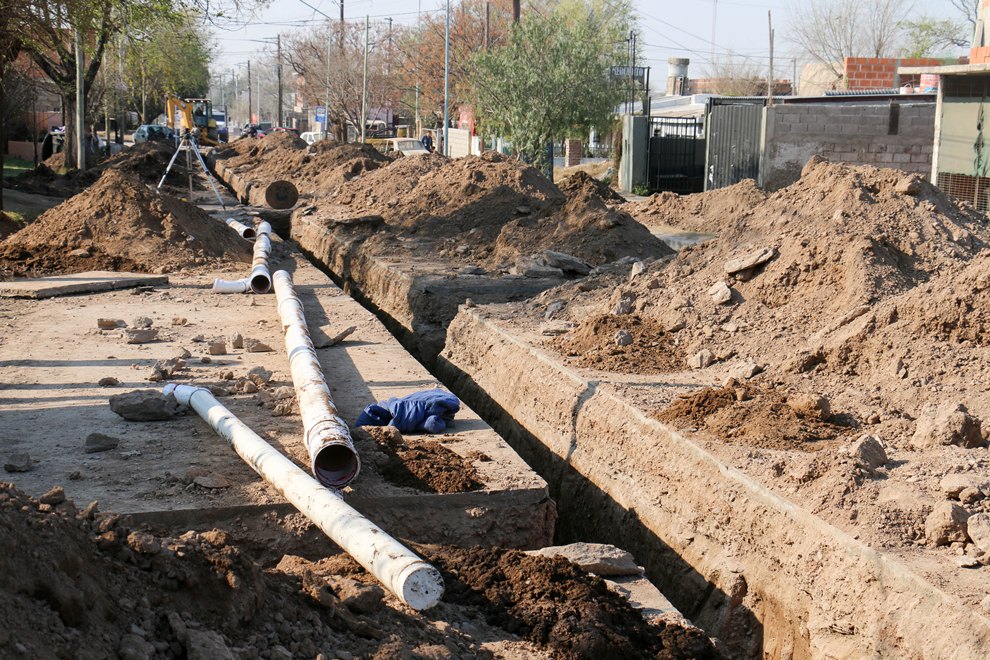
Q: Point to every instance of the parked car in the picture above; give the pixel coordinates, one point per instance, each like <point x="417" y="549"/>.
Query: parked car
<point x="153" y="133"/>
<point x="312" y="137"/>
<point x="286" y="129"/>
<point x="405" y="146"/>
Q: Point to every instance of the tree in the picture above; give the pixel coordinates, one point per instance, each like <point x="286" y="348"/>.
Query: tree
<point x="829" y="31"/>
<point x="550" y="80"/>
<point x="927" y="37"/>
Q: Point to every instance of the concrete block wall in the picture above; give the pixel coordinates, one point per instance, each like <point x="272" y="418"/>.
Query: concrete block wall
<point x="850" y="133"/>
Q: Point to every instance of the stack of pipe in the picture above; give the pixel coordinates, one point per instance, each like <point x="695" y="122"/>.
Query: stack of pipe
<point x="415" y="582"/>
<point x="260" y="279"/>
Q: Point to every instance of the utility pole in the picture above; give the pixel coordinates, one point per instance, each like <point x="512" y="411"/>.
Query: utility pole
<point x="364" y="90"/>
<point x="515" y="11"/>
<point x="388" y="55"/>
<point x="488" y="24"/>
<point x="80" y="107"/>
<point x="278" y="74"/>
<point x="342" y="27"/>
<point x="446" y="81"/>
<point x="714" y="21"/>
<point x="419" y="10"/>
<point x="326" y="102"/>
<point x="250" y="104"/>
<point x="770" y="70"/>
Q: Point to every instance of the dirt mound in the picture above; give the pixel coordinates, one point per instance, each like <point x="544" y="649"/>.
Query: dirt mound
<point x="7" y="225"/>
<point x="622" y="343"/>
<point x="421" y="464"/>
<point x="88" y="584"/>
<point x="551" y="602"/>
<point x="55" y="162"/>
<point x="709" y="211"/>
<point x="119" y="224"/>
<point x="581" y="182"/>
<point x="383" y="189"/>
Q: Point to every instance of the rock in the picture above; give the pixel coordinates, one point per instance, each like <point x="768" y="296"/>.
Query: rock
<point x="236" y="340"/>
<point x="53" y="497"/>
<point x="565" y="262"/>
<point x="968" y="562"/>
<point x="623" y="338"/>
<point x="978" y="529"/>
<point x="110" y="324"/>
<point x="970" y="495"/>
<point x="359" y="597"/>
<point x="554" y="308"/>
<point x="184" y="354"/>
<point x="212" y="481"/>
<point x="179" y="320"/>
<point x="207" y="645"/>
<point x="205" y="359"/>
<point x="333" y="340"/>
<point x="555" y="328"/>
<point x="985" y="604"/>
<point x="750" y="260"/>
<point x="142" y="322"/>
<point x="143" y="543"/>
<point x="256" y="346"/>
<point x="283" y="393"/>
<point x="814" y="406"/>
<point x="949" y="424"/>
<point x="108" y="381"/>
<point x="140" y="335"/>
<point x="19" y="462"/>
<point x="134" y="647"/>
<point x="868" y="453"/>
<point x="82" y="253"/>
<point x="623" y="303"/>
<point x="702" y="359"/>
<point x="597" y="558"/>
<point x="97" y="442"/>
<point x="523" y="210"/>
<point x="909" y="185"/>
<point x="470" y="270"/>
<point x="946" y="524"/>
<point x="952" y="485"/>
<point x="803" y="361"/>
<point x="144" y="405"/>
<point x="217" y="347"/>
<point x="259" y="375"/>
<point x="638" y="268"/>
<point x="530" y="267"/>
<point x="720" y="293"/>
<point x="745" y="371"/>
<point x="249" y="387"/>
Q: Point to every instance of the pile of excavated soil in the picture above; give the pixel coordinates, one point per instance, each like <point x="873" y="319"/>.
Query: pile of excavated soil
<point x="707" y="212"/>
<point x="146" y="161"/>
<point x="119" y="224"/>
<point x="317" y="170"/>
<point x="581" y="181"/>
<point x="649" y="349"/>
<point x="7" y="225"/>
<point x="865" y="290"/>
<point x="490" y="210"/>
<point x="84" y="583"/>
<point x="413" y="463"/>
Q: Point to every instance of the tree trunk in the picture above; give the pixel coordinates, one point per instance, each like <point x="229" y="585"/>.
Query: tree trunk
<point x="69" y="118"/>
<point x="3" y="134"/>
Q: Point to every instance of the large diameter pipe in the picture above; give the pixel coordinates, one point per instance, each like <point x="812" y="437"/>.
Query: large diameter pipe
<point x="245" y="232"/>
<point x="260" y="278"/>
<point x="415" y="582"/>
<point x="231" y="286"/>
<point x="334" y="460"/>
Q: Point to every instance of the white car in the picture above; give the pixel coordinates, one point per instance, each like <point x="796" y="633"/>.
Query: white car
<point x="405" y="146"/>
<point x="312" y="137"/>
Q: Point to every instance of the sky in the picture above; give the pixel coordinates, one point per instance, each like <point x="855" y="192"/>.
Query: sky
<point x="669" y="28"/>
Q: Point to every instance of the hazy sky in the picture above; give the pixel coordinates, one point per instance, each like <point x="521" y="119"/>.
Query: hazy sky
<point x="670" y="28"/>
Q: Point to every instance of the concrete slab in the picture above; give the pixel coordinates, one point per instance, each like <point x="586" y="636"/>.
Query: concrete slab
<point x="92" y="281"/>
<point x="52" y="356"/>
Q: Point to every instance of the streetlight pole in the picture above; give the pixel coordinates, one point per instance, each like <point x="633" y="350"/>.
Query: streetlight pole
<point x="446" y="82"/>
<point x="250" y="105"/>
<point x="278" y="73"/>
<point x="364" y="90"/>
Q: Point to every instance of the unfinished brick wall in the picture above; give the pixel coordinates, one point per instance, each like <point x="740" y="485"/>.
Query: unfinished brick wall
<point x="861" y="134"/>
<point x="881" y="73"/>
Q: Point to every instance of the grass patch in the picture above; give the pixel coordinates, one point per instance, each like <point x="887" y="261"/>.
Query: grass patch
<point x="15" y="166"/>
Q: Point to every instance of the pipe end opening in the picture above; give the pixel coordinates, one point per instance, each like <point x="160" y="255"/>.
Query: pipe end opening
<point x="336" y="465"/>
<point x="261" y="283"/>
<point x="421" y="586"/>
<point x="250" y="234"/>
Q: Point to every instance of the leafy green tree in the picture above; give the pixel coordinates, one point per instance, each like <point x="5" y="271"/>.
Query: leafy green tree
<point x="928" y="37"/>
<point x="550" y="80"/>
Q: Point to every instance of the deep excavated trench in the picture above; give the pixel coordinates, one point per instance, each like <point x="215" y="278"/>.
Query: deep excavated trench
<point x="766" y="577"/>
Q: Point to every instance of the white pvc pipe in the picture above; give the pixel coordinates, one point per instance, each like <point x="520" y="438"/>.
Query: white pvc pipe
<point x="246" y="232"/>
<point x="264" y="228"/>
<point x="231" y="286"/>
<point x="334" y="460"/>
<point x="260" y="278"/>
<point x="415" y="582"/>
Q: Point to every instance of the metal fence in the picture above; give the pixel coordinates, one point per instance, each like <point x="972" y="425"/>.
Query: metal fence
<point x="676" y="161"/>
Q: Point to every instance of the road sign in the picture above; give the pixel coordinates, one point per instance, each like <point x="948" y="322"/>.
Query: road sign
<point x="321" y="113"/>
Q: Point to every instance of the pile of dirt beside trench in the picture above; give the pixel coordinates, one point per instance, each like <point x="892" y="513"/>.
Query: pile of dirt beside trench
<point x="118" y="224"/>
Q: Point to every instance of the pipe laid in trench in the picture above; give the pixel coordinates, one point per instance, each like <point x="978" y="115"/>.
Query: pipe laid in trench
<point x="260" y="279"/>
<point x="334" y="460"/>
<point x="416" y="583"/>
<point x="246" y="232"/>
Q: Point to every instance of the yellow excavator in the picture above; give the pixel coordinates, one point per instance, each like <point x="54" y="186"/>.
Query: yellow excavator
<point x="195" y="116"/>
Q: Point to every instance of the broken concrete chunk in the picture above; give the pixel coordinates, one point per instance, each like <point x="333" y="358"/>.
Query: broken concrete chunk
<point x="949" y="424"/>
<point x="259" y="375"/>
<point x="327" y="340"/>
<point x="815" y="406"/>
<point x="909" y="185"/>
<point x="946" y="524"/>
<point x="638" y="268"/>
<point x="623" y="338"/>
<point x="596" y="558"/>
<point x="978" y="530"/>
<point x="470" y="270"/>
<point x="745" y="371"/>
<point x="954" y="484"/>
<point x="236" y="340"/>
<point x="530" y="267"/>
<point x="19" y="462"/>
<point x="143" y="543"/>
<point x="82" y="253"/>
<point x="97" y="442"/>
<point x="868" y="453"/>
<point x="751" y="260"/>
<point x="256" y="346"/>
<point x="140" y="335"/>
<point x="53" y="497"/>
<point x="142" y="322"/>
<point x="110" y="324"/>
<point x="555" y="328"/>
<point x="144" y="405"/>
<point x="720" y="293"/>
<point x="702" y="359"/>
<point x="565" y="262"/>
<point x="217" y="347"/>
<point x="283" y="393"/>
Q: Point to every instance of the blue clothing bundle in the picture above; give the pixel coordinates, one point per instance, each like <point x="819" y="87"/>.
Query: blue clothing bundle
<point x="431" y="411"/>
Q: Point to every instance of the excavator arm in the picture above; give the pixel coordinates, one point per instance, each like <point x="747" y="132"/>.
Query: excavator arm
<point x="194" y="115"/>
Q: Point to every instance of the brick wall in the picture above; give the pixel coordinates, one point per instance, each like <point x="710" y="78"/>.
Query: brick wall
<point x="851" y="133"/>
<point x="881" y="73"/>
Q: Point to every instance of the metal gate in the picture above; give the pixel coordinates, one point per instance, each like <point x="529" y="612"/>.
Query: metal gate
<point x="735" y="127"/>
<point x="676" y="155"/>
